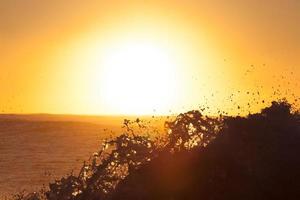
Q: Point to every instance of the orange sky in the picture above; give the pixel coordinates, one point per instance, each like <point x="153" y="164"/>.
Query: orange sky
<point x="51" y="51"/>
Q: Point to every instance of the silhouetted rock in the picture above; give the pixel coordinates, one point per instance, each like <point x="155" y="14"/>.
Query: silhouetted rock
<point x="256" y="157"/>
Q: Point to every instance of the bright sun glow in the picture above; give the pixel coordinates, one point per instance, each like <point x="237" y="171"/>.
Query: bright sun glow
<point x="138" y="78"/>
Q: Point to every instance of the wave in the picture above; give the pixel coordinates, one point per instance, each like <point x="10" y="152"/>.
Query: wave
<point x="198" y="157"/>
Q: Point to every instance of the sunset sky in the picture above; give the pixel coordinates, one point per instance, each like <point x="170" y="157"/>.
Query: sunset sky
<point x="143" y="57"/>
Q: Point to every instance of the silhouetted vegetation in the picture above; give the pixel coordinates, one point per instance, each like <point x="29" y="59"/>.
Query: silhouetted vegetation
<point x="199" y="157"/>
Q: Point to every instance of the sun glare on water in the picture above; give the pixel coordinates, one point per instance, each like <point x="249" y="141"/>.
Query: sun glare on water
<point x="138" y="78"/>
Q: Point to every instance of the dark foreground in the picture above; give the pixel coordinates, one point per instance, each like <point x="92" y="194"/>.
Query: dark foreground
<point x="256" y="157"/>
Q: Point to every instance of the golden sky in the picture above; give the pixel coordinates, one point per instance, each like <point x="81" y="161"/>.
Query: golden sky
<point x="145" y="57"/>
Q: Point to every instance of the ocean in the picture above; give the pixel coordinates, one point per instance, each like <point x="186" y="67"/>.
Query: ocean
<point x="37" y="149"/>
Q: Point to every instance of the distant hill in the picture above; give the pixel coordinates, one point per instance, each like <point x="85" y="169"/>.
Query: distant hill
<point x="105" y="120"/>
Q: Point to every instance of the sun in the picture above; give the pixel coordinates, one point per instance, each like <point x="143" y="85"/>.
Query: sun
<point x="138" y="78"/>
